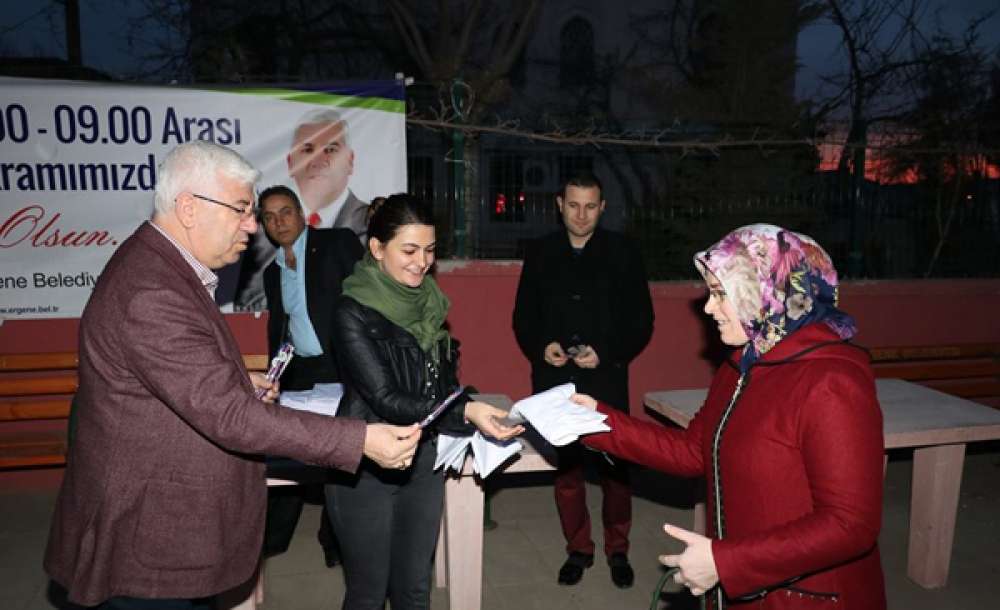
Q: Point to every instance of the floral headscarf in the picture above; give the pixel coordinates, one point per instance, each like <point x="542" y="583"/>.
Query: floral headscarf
<point x="778" y="281"/>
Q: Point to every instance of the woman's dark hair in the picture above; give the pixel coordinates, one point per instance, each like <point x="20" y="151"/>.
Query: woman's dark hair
<point x="396" y="211"/>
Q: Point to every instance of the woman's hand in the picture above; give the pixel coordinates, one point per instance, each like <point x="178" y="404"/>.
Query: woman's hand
<point x="584" y="400"/>
<point x="696" y="562"/>
<point x="270" y="388"/>
<point x="484" y="416"/>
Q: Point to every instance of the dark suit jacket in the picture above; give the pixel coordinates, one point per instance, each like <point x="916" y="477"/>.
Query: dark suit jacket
<point x="354" y="216"/>
<point x="249" y="286"/>
<point x="330" y="258"/>
<point x="601" y="296"/>
<point x="161" y="497"/>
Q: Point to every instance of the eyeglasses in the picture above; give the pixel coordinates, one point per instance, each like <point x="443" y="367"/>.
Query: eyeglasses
<point x="247" y="210"/>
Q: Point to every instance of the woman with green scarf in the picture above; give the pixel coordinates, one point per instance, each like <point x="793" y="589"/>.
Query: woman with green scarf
<point x="399" y="362"/>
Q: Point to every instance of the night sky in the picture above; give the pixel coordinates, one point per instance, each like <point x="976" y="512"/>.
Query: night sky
<point x="104" y="45"/>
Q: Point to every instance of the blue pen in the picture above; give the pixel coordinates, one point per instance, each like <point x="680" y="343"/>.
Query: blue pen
<point x="438" y="410"/>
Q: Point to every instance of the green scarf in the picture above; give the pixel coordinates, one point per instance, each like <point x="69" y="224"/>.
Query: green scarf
<point x="420" y="311"/>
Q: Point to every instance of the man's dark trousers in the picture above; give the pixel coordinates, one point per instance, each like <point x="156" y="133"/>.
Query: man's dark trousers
<point x="284" y="503"/>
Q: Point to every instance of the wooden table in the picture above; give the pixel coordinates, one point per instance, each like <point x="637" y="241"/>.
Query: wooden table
<point x="936" y="425"/>
<point x="459" y="557"/>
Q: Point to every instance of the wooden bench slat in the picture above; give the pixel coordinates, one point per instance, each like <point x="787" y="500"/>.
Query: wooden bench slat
<point x="12" y="363"/>
<point x="54" y="407"/>
<point x="56" y="383"/>
<point x="255" y="362"/>
<point x="39" y="362"/>
<point x="41" y="386"/>
<point x="43" y="454"/>
<point x="935" y="352"/>
<point x="938" y="369"/>
<point x="968" y="388"/>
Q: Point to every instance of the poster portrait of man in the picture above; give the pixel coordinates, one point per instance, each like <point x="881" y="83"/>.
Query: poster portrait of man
<point x="320" y="165"/>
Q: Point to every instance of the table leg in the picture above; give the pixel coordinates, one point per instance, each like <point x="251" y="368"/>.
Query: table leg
<point x="463" y="507"/>
<point x="258" y="590"/>
<point x="441" y="556"/>
<point x="937" y="478"/>
<point x="699" y="518"/>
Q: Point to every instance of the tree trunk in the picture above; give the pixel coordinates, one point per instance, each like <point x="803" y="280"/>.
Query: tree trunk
<point x="74" y="53"/>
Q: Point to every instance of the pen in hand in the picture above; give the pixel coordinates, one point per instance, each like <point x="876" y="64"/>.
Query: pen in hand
<point x="278" y="365"/>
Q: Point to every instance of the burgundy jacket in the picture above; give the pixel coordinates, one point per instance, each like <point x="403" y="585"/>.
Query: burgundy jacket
<point x="799" y="465"/>
<point x="162" y="497"/>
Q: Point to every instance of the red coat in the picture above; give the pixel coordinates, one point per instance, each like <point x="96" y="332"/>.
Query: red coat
<point x="800" y="473"/>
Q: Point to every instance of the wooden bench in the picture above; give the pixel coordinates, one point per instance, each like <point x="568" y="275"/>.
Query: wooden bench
<point x="968" y="370"/>
<point x="40" y="387"/>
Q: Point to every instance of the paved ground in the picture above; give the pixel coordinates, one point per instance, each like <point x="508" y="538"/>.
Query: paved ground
<point x="524" y="552"/>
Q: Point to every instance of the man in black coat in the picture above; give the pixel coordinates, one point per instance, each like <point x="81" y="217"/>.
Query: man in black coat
<point x="582" y="313"/>
<point x="301" y="285"/>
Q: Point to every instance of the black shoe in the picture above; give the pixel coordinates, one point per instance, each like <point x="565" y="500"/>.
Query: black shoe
<point x="572" y="571"/>
<point x="621" y="572"/>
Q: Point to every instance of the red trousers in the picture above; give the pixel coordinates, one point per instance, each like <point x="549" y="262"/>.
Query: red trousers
<point x="571" y="500"/>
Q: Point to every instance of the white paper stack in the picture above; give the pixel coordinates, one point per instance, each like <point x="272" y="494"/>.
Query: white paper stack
<point x="558" y="420"/>
<point x="487" y="453"/>
<point x="552" y="414"/>
<point x="324" y="399"/>
<point x="451" y="451"/>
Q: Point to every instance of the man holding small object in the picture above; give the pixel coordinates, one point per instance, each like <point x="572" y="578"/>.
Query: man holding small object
<point x="162" y="504"/>
<point x="582" y="313"/>
<point x="301" y="285"/>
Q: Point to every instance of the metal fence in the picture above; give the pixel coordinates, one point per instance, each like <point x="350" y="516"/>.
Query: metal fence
<point x="676" y="205"/>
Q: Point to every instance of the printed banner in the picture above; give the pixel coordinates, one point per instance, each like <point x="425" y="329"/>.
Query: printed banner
<point x="79" y="162"/>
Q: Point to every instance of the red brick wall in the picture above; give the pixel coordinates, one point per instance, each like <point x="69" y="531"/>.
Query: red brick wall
<point x="684" y="345"/>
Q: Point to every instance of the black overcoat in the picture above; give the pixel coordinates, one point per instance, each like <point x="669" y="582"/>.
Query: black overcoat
<point x="599" y="297"/>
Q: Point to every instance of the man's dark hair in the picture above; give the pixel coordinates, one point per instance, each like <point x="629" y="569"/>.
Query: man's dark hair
<point x="395" y="212"/>
<point x="585" y="181"/>
<point x="277" y="189"/>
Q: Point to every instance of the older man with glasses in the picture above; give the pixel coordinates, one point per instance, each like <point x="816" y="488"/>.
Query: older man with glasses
<point x="162" y="504"/>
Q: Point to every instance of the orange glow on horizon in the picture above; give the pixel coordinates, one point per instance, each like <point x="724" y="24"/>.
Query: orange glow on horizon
<point x="878" y="167"/>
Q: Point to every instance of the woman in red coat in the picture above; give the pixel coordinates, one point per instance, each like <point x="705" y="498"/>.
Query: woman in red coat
<point x="789" y="438"/>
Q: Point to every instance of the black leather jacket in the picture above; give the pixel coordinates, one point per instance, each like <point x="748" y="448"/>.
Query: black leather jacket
<point x="388" y="378"/>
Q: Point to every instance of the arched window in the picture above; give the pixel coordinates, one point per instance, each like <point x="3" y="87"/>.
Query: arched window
<point x="576" y="53"/>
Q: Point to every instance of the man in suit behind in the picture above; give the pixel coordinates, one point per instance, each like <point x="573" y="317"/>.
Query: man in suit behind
<point x="320" y="162"/>
<point x="162" y="504"/>
<point x="581" y="315"/>
<point x="301" y="285"/>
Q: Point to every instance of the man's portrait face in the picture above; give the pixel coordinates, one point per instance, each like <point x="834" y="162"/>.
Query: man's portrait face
<point x="320" y="162"/>
<point x="283" y="220"/>
<point x="581" y="207"/>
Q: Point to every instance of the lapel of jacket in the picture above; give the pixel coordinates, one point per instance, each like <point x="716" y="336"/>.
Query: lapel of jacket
<point x="316" y="267"/>
<point x="351" y="215"/>
<point x="277" y="324"/>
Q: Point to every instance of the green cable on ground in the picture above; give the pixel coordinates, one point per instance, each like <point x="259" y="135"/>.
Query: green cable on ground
<point x="654" y="602"/>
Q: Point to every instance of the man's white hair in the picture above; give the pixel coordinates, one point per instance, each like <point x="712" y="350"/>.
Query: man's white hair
<point x="194" y="166"/>
<point x="320" y="116"/>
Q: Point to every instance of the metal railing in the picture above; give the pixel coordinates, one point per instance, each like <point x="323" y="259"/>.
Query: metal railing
<point x="880" y="230"/>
